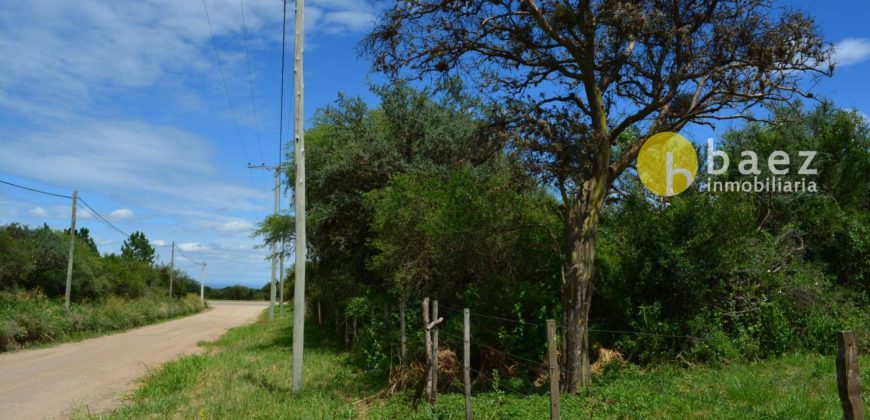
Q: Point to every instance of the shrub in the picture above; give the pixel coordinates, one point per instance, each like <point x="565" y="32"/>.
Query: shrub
<point x="30" y="317"/>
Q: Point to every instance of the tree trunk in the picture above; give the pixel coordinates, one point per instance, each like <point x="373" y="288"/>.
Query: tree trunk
<point x="577" y="286"/>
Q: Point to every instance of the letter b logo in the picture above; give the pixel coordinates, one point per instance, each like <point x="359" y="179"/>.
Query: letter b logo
<point x="667" y="164"/>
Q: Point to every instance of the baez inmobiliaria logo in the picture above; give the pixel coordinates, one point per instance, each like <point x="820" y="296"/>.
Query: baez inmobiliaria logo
<point x="668" y="164"/>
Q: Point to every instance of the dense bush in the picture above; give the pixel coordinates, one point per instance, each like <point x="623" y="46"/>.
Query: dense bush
<point x="36" y="259"/>
<point x="421" y="198"/>
<point x="30" y="317"/>
<point x="746" y="275"/>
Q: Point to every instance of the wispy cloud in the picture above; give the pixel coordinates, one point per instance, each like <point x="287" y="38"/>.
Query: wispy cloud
<point x="119" y="214"/>
<point x="127" y="158"/>
<point x="851" y="51"/>
<point x="61" y="56"/>
<point x="236" y="226"/>
<point x="192" y="247"/>
<point x="39" y="211"/>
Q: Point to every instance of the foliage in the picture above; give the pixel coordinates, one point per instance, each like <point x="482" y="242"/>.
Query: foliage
<point x="234" y="292"/>
<point x="571" y="78"/>
<point x="28" y="318"/>
<point x="415" y="199"/>
<point x="745" y="275"/>
<point x="136" y="247"/>
<point x="36" y="259"/>
<point x="396" y="214"/>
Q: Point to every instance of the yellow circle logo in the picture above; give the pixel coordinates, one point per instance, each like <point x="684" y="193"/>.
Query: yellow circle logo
<point x="667" y="164"/>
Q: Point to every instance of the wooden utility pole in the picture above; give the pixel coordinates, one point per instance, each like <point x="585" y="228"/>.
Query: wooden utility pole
<point x="172" y="269"/>
<point x="554" y="369"/>
<point x="466" y="360"/>
<point x="299" y="153"/>
<point x="72" y="245"/>
<point x="848" y="381"/>
<point x="202" y="284"/>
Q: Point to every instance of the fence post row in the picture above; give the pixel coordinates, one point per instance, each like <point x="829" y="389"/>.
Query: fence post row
<point x="429" y="379"/>
<point x="848" y="381"/>
<point x="554" y="369"/>
<point x="466" y="360"/>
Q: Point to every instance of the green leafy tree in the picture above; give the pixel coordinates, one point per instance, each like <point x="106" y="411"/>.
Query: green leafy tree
<point x="137" y="247"/>
<point x="575" y="75"/>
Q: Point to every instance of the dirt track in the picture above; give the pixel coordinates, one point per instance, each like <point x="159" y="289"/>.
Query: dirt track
<point x="95" y="373"/>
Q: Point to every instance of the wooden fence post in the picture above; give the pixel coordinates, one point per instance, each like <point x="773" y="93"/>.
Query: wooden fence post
<point x="466" y="360"/>
<point x="434" y="353"/>
<point x="403" y="355"/>
<point x="428" y="338"/>
<point x="848" y="381"/>
<point x="554" y="369"/>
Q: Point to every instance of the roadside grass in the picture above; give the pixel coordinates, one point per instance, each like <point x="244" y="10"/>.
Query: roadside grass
<point x="247" y="374"/>
<point x="32" y="320"/>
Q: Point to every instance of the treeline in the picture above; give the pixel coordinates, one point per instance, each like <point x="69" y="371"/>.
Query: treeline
<point x="109" y="292"/>
<point x="423" y="197"/>
<point x="36" y="259"/>
<point x="237" y="292"/>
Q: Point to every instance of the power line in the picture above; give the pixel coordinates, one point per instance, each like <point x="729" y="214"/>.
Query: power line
<point x="281" y="113"/>
<point x="251" y="78"/>
<point x="186" y="257"/>
<point x="281" y="117"/>
<point x="34" y="190"/>
<point x="224" y="79"/>
<point x="100" y="217"/>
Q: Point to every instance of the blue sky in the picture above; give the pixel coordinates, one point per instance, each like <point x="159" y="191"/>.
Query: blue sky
<point x="125" y="102"/>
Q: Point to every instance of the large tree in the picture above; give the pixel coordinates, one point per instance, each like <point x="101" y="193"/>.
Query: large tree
<point x="577" y="75"/>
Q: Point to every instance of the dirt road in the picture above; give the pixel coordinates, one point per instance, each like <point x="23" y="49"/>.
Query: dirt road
<point x="95" y="373"/>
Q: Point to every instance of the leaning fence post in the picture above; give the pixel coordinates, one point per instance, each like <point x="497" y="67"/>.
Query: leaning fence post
<point x="428" y="341"/>
<point x="466" y="360"/>
<point x="554" y="369"/>
<point x="434" y="353"/>
<point x="848" y="381"/>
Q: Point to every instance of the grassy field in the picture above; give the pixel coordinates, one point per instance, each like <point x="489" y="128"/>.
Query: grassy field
<point x="29" y="319"/>
<point x="246" y="374"/>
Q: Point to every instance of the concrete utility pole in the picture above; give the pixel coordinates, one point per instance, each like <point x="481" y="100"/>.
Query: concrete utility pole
<point x="172" y="269"/>
<point x="72" y="245"/>
<point x="202" y="284"/>
<point x="277" y="169"/>
<point x="299" y="134"/>
<point x="274" y="253"/>
<point x="281" y="282"/>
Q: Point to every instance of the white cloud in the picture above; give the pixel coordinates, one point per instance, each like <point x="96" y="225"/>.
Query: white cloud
<point x="192" y="246"/>
<point x="159" y="242"/>
<point x="139" y="157"/>
<point x="118" y="214"/>
<point x="236" y="226"/>
<point x="60" y="56"/>
<point x="39" y="211"/>
<point x="851" y="51"/>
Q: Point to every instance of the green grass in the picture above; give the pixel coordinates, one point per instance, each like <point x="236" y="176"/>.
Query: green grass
<point x="29" y="319"/>
<point x="246" y="374"/>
